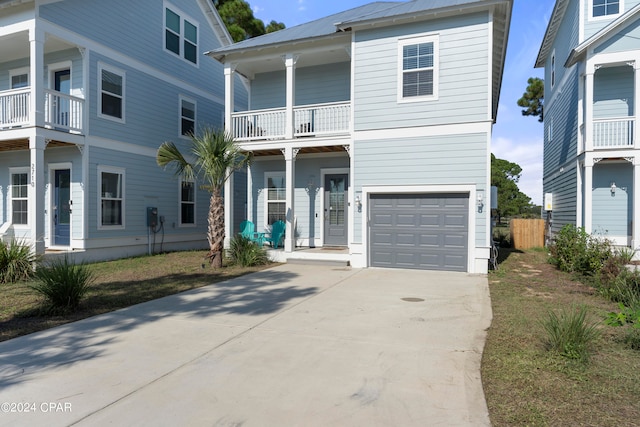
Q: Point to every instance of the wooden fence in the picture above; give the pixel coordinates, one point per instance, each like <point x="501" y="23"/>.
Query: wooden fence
<point x="527" y="233"/>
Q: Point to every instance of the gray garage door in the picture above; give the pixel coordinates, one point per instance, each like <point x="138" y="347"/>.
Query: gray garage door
<point x="422" y="231"/>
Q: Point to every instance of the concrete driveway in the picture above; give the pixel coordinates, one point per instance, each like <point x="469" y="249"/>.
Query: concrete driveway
<point x="295" y="345"/>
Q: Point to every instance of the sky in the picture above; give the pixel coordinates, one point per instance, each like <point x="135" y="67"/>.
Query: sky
<point x="516" y="138"/>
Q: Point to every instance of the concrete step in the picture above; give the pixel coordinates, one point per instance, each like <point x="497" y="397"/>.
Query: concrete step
<point x="327" y="262"/>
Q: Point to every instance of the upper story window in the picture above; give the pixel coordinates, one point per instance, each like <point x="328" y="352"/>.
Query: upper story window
<point x="180" y="34"/>
<point x="553" y="69"/>
<point x="606" y="7"/>
<point x="187" y="116"/>
<point x="19" y="78"/>
<point x="111" y="200"/>
<point x="111" y="90"/>
<point x="418" y="69"/>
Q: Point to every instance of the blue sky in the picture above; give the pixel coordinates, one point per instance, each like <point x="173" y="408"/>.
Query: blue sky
<point x="515" y="137"/>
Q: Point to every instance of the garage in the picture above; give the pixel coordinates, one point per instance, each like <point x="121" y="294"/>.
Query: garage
<point x="419" y="231"/>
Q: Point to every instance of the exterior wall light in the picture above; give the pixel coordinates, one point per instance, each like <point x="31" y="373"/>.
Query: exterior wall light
<point x="358" y="203"/>
<point x="480" y="201"/>
<point x="613" y="188"/>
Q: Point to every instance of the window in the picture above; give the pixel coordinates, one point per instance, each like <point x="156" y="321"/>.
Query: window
<point x="111" y="209"/>
<point x="418" y="68"/>
<point x="606" y="7"/>
<point x="111" y="92"/>
<point x="19" y="78"/>
<point x="180" y="35"/>
<point x="276" y="197"/>
<point x="553" y="69"/>
<point x="187" y="116"/>
<point x="187" y="202"/>
<point x="19" y="196"/>
<point x="550" y="131"/>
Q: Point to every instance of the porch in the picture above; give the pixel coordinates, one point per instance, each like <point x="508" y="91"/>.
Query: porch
<point x="334" y="256"/>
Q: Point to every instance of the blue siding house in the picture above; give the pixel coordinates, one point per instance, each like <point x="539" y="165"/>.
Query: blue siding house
<point x="371" y="129"/>
<point x="591" y="57"/>
<point x="89" y="89"/>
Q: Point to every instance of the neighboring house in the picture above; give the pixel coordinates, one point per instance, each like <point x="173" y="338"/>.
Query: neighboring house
<point x="89" y="90"/>
<point x="591" y="56"/>
<point x="371" y="131"/>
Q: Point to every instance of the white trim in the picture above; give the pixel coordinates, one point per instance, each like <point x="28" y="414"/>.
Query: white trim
<point x="553" y="75"/>
<point x="16" y="171"/>
<point x="59" y="66"/>
<point x="604" y="17"/>
<point x="111" y="69"/>
<point x="181" y="99"/>
<point x="183" y="17"/>
<point x="425" y="131"/>
<point x="19" y="72"/>
<point x="52" y="167"/>
<point x="265" y="191"/>
<point x="469" y="189"/>
<point x="414" y="40"/>
<point x="180" y="201"/>
<point x="114" y="170"/>
<point x="333" y="171"/>
<point x="490" y="68"/>
<point x="124" y="147"/>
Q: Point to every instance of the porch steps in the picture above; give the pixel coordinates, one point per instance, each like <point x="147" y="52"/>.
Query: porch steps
<point x="327" y="262"/>
<point x="337" y="257"/>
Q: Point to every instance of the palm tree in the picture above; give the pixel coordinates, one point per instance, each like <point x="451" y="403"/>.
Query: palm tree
<point x="216" y="156"/>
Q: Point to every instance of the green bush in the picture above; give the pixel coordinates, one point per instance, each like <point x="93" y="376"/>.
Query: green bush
<point x="17" y="261"/>
<point x="570" y="334"/>
<point x="574" y="250"/>
<point x="623" y="288"/>
<point x="63" y="284"/>
<point x="245" y="253"/>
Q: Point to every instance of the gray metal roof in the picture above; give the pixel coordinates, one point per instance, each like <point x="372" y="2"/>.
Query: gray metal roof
<point x="334" y="23"/>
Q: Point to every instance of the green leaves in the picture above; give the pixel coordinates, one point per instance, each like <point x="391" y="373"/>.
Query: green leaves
<point x="533" y="99"/>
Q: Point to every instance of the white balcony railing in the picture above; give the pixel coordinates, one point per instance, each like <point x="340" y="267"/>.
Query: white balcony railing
<point x="613" y="133"/>
<point x="14" y="108"/>
<point x="63" y="112"/>
<point x="308" y="120"/>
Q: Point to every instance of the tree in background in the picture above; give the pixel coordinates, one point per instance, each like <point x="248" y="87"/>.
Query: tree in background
<point x="237" y="15"/>
<point x="505" y="175"/>
<point x="533" y="99"/>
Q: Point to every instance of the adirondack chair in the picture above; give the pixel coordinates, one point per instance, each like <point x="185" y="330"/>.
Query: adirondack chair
<point x="248" y="231"/>
<point x="277" y="233"/>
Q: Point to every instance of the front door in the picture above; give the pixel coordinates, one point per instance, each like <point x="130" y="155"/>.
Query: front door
<point x="62" y="84"/>
<point x="62" y="207"/>
<point x="336" y="190"/>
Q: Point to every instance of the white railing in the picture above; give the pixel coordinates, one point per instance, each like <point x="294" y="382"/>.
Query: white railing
<point x="322" y="119"/>
<point x="259" y="124"/>
<point x="14" y="108"/>
<point x="613" y="133"/>
<point x="308" y="120"/>
<point x="63" y="112"/>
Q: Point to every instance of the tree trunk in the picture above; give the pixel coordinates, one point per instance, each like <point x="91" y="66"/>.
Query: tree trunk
<point x="215" y="232"/>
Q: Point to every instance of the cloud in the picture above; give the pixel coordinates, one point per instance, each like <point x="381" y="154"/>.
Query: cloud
<point x="526" y="152"/>
<point x="301" y="6"/>
<point x="257" y="9"/>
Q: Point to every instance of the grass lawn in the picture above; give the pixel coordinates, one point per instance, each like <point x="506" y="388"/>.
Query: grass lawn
<point x="118" y="284"/>
<point x="526" y="385"/>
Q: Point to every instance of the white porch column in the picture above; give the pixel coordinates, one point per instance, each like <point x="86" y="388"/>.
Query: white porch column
<point x="36" y="76"/>
<point x="588" y="108"/>
<point x="635" y="238"/>
<point x="229" y="77"/>
<point x="636" y="109"/>
<point x="290" y="63"/>
<point x="250" y="196"/>
<point x="579" y="194"/>
<point x="36" y="193"/>
<point x="290" y="174"/>
<point x="228" y="211"/>
<point x="588" y="195"/>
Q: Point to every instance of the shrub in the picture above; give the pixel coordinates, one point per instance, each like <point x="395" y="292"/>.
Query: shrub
<point x="625" y="255"/>
<point x="623" y="288"/>
<point x="574" y="250"/>
<point x="570" y="334"/>
<point x="17" y="261"/>
<point x="245" y="253"/>
<point x="63" y="284"/>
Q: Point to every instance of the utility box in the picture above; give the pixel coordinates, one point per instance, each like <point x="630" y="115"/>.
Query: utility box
<point x="152" y="217"/>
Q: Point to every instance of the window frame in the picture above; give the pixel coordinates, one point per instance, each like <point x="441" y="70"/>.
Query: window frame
<point x="274" y="175"/>
<point x="182" y="39"/>
<point x="550" y="131"/>
<point x="111" y="170"/>
<point x="181" y="202"/>
<point x="104" y="67"/>
<point x="183" y="99"/>
<point x="12" y="172"/>
<point x="553" y="69"/>
<point x="592" y="17"/>
<point x="19" y="72"/>
<point x="416" y="40"/>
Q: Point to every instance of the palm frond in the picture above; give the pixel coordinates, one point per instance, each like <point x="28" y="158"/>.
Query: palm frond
<point x="169" y="155"/>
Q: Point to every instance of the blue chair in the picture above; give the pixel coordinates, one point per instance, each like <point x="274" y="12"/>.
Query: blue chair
<point x="248" y="231"/>
<point x="277" y="233"/>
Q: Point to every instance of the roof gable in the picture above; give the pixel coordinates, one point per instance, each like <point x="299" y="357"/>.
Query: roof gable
<point x="557" y="16"/>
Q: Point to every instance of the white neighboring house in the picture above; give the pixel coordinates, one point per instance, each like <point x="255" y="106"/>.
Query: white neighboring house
<point x="591" y="57"/>
<point x="371" y="131"/>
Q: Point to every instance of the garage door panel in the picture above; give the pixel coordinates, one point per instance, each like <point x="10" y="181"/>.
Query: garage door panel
<point x="423" y="231"/>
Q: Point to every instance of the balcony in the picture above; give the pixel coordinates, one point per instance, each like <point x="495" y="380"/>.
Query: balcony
<point x="61" y="111"/>
<point x="309" y="120"/>
<point x="613" y="133"/>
